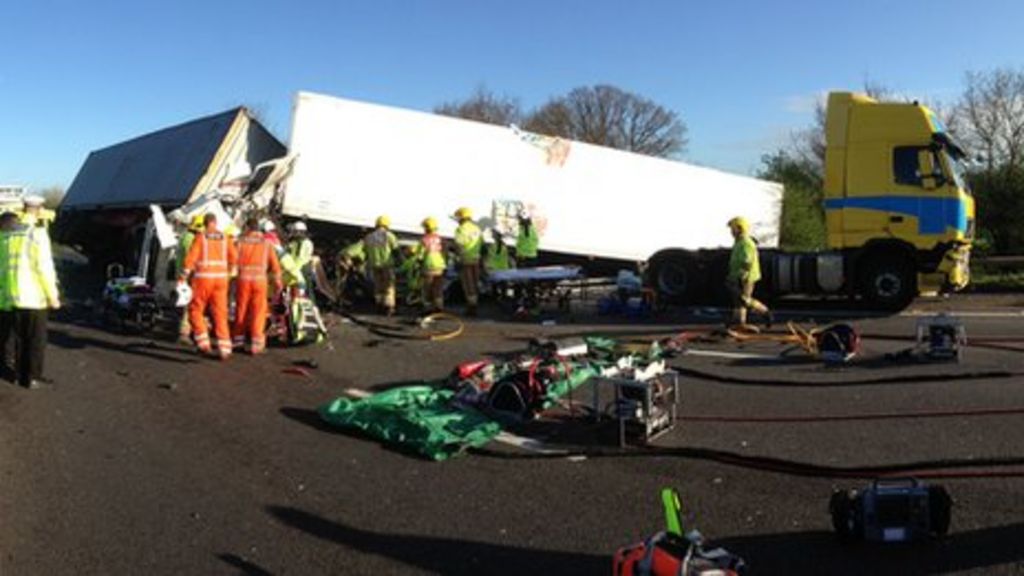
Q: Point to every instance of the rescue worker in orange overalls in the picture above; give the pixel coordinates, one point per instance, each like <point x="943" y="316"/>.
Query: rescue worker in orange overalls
<point x="210" y="263"/>
<point x="256" y="259"/>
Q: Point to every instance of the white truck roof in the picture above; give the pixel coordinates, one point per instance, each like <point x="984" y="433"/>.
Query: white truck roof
<point x="355" y="161"/>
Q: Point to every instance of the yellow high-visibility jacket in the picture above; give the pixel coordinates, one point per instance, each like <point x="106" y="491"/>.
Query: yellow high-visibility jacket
<point x="30" y="279"/>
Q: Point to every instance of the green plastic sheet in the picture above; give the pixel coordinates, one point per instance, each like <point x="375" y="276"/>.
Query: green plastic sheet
<point x="420" y="418"/>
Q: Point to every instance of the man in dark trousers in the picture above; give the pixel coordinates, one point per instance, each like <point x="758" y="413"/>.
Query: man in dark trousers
<point x="32" y="287"/>
<point x="8" y="222"/>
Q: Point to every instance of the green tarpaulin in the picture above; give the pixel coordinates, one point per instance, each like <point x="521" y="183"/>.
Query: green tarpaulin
<point x="421" y="418"/>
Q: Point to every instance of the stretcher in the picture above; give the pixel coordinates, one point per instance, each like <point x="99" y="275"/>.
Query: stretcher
<point x="535" y="275"/>
<point x="524" y="289"/>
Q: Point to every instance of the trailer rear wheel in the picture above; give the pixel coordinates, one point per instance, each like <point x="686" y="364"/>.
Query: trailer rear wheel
<point x="889" y="282"/>
<point x="674" y="275"/>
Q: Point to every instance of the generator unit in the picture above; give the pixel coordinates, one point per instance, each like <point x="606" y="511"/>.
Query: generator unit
<point x="891" y="510"/>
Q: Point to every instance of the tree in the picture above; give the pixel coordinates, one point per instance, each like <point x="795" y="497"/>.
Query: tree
<point x="989" y="117"/>
<point x="52" y="196"/>
<point x="802" y="223"/>
<point x="609" y="116"/>
<point x="484" y="106"/>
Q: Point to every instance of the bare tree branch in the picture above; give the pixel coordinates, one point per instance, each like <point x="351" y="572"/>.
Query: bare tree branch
<point x="609" y="116"/>
<point x="484" y="106"/>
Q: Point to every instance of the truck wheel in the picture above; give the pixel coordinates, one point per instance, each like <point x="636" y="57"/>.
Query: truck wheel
<point x="841" y="508"/>
<point x="674" y="275"/>
<point x="889" y="283"/>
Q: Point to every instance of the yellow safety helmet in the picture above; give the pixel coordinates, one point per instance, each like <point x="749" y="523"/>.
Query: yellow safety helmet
<point x="383" y="222"/>
<point x="197" y="222"/>
<point x="463" y="214"/>
<point x="740" y="223"/>
<point x="429" y="224"/>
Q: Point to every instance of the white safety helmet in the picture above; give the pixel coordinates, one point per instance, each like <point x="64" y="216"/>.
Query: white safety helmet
<point x="299" y="227"/>
<point x="33" y="201"/>
<point x="268" y="226"/>
<point x="183" y="295"/>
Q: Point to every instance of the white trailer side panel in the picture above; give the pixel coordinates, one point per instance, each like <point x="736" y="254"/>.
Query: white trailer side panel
<point x="357" y="160"/>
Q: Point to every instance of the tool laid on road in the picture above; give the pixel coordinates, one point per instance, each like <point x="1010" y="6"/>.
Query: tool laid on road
<point x="833" y="344"/>
<point x="891" y="510"/>
<point x="675" y="553"/>
<point x="941" y="337"/>
<point x="938" y="338"/>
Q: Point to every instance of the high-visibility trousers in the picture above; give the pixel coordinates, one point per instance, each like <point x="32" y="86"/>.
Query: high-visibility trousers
<point x="212" y="294"/>
<point x="742" y="292"/>
<point x="250" y="315"/>
<point x="433" y="289"/>
<point x="384" y="286"/>
<point x="469" y="275"/>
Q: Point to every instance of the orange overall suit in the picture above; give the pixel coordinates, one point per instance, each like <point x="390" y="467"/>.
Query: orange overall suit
<point x="212" y="258"/>
<point x="256" y="257"/>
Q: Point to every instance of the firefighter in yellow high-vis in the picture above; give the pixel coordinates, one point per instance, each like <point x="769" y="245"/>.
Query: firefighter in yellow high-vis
<point x="469" y="241"/>
<point x="744" y="273"/>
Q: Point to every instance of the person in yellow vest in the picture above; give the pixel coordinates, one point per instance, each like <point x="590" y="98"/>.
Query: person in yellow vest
<point x="468" y="243"/>
<point x="744" y="272"/>
<point x="431" y="256"/>
<point x="8" y="222"/>
<point x="184" y="243"/>
<point x="380" y="246"/>
<point x="496" y="259"/>
<point x="410" y="271"/>
<point x="32" y="287"/>
<point x="527" y="242"/>
<point x="300" y="248"/>
<point x="496" y="254"/>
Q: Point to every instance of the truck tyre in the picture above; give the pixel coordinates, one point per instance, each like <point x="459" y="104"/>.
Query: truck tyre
<point x="888" y="282"/>
<point x="841" y="507"/>
<point x="674" y="275"/>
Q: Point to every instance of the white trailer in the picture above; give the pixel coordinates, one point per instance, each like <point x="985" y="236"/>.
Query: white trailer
<point x="355" y="161"/>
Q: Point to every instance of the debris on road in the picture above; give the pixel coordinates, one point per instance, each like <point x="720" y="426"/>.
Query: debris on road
<point x="442" y="418"/>
<point x="295" y="371"/>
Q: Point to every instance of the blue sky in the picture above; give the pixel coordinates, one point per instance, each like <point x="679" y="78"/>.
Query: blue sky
<point x="77" y="76"/>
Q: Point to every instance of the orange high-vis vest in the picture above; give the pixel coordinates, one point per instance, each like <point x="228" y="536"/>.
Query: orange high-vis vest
<point x="212" y="256"/>
<point x="255" y="258"/>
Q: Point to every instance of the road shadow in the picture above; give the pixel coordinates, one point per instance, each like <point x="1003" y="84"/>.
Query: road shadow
<point x="312" y="419"/>
<point x="819" y="552"/>
<point x="148" y="349"/>
<point x="244" y="567"/>
<point x="443" y="555"/>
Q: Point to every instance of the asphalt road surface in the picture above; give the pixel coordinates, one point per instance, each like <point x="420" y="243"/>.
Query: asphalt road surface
<point x="145" y="459"/>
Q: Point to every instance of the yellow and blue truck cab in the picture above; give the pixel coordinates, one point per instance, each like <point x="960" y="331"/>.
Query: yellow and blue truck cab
<point x="899" y="215"/>
<point x="897" y="204"/>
